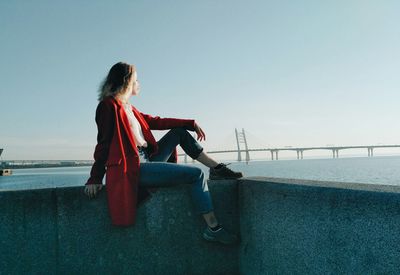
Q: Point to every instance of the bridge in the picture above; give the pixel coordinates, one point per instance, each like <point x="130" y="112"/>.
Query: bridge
<point x="274" y="152"/>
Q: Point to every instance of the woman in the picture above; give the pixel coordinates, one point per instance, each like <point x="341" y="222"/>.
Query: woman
<point x="136" y="162"/>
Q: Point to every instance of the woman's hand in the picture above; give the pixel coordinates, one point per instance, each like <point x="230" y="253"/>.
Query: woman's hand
<point x="200" y="133"/>
<point x="92" y="189"/>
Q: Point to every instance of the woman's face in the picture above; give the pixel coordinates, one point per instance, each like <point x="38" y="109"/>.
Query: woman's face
<point x="135" y="84"/>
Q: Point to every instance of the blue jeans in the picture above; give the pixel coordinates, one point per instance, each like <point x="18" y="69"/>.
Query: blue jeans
<point x="157" y="172"/>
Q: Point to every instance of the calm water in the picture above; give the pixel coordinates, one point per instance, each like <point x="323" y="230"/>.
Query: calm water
<point x="377" y="170"/>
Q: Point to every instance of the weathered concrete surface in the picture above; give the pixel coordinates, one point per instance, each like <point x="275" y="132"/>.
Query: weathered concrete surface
<point x="61" y="231"/>
<point x="310" y="227"/>
<point x="28" y="232"/>
<point x="286" y="226"/>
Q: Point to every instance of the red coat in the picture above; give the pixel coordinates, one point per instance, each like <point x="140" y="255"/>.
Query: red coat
<point x="117" y="151"/>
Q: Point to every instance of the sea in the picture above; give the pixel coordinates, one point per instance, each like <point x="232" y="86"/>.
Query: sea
<point x="377" y="170"/>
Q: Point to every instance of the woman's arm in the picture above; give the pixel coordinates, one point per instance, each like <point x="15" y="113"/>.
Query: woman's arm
<point x="105" y="126"/>
<point x="158" y="123"/>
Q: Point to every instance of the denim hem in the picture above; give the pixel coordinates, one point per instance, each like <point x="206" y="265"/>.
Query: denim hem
<point x="195" y="156"/>
<point x="205" y="212"/>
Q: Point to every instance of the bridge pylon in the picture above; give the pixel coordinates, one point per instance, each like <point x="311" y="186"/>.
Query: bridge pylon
<point x="241" y="138"/>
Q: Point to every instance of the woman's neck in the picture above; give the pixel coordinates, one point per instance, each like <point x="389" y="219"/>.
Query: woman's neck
<point x="122" y="97"/>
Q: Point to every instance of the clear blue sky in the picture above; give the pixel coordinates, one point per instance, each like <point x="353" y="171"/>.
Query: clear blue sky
<point x="299" y="73"/>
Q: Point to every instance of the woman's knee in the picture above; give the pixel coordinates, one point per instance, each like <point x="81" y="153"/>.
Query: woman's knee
<point x="197" y="175"/>
<point x="180" y="131"/>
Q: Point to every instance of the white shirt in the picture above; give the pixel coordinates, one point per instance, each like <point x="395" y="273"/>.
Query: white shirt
<point x="135" y="126"/>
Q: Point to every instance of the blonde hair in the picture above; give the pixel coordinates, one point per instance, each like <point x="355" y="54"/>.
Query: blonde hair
<point x="117" y="80"/>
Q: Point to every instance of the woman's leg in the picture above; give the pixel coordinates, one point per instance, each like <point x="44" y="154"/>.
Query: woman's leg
<point x="180" y="136"/>
<point x="158" y="174"/>
<point x="166" y="145"/>
<point x="174" y="137"/>
<point x="206" y="160"/>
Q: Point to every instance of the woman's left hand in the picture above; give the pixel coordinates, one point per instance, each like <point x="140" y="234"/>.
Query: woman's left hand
<point x="200" y="133"/>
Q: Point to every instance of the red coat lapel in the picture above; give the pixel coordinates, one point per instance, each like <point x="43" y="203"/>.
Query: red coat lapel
<point x="127" y="127"/>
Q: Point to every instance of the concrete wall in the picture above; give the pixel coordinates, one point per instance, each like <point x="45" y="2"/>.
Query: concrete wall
<point x="60" y="231"/>
<point x="309" y="227"/>
<point x="286" y="227"/>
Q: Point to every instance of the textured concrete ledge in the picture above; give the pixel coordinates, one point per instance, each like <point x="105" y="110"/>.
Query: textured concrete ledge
<point x="310" y="227"/>
<point x="287" y="226"/>
<point x="330" y="184"/>
<point x="61" y="231"/>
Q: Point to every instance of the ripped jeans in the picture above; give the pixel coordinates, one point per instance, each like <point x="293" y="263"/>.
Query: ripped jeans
<point x="157" y="172"/>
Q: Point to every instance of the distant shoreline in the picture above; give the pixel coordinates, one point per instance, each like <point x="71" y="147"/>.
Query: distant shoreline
<point x="17" y="164"/>
<point x="44" y="165"/>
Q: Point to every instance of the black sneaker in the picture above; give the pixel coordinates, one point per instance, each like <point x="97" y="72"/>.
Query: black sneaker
<point x="224" y="173"/>
<point x="220" y="236"/>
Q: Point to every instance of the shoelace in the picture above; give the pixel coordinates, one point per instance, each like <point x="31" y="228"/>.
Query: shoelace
<point x="225" y="165"/>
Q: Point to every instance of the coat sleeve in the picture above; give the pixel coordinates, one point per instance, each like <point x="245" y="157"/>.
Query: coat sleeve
<point x="105" y="127"/>
<point x="158" y="123"/>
